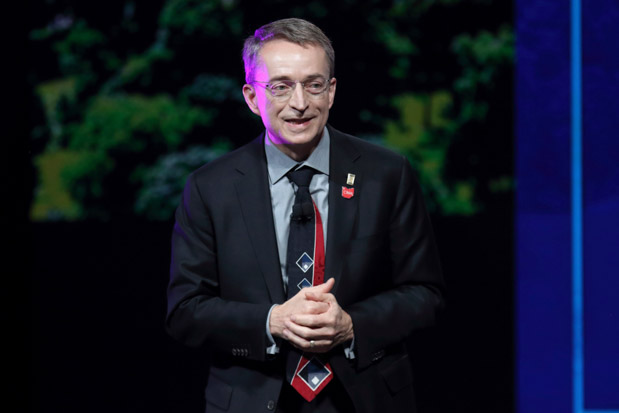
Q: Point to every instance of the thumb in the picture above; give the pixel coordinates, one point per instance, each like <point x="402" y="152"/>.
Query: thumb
<point x="327" y="286"/>
<point x="321" y="289"/>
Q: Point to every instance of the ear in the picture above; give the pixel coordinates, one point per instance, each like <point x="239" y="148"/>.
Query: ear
<point x="332" y="92"/>
<point x="249" y="93"/>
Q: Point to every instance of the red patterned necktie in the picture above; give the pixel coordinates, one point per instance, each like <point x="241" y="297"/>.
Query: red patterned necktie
<point x="306" y="372"/>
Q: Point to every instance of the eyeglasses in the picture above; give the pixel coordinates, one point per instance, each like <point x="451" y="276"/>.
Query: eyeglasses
<point x="284" y="88"/>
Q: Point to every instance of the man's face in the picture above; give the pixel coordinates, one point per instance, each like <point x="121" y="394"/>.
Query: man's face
<point x="295" y="123"/>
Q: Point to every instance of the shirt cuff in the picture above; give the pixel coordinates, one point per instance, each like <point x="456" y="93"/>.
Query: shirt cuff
<point x="349" y="351"/>
<point x="272" y="348"/>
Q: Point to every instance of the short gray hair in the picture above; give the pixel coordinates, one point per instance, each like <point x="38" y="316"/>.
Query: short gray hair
<point x="294" y="30"/>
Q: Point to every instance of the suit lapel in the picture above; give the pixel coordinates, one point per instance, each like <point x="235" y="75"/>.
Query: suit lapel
<point x="255" y="199"/>
<point x="342" y="211"/>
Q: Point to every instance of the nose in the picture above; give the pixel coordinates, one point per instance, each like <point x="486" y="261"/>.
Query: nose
<point x="298" y="100"/>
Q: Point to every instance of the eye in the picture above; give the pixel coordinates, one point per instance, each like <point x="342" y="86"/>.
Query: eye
<point x="279" y="87"/>
<point x="316" y="85"/>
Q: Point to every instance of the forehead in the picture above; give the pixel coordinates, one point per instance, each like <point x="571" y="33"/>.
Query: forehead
<point x="281" y="58"/>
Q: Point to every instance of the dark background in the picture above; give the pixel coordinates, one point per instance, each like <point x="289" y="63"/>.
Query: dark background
<point x="99" y="305"/>
<point x="97" y="279"/>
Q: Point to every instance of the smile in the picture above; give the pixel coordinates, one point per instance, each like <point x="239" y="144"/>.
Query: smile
<point x="298" y="125"/>
<point x="299" y="122"/>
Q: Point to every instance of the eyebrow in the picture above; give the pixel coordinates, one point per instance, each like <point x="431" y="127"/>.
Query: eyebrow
<point x="309" y="77"/>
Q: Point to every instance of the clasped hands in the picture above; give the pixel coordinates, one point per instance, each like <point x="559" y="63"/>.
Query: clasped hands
<point x="313" y="315"/>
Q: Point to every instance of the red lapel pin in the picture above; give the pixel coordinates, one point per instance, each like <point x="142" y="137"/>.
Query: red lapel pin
<point x="348" y="192"/>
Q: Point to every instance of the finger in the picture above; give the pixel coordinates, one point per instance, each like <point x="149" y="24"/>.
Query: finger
<point x="322" y="333"/>
<point x="324" y="287"/>
<point x="318" y="348"/>
<point x="312" y="288"/>
<point x="320" y="289"/>
<point x="328" y="285"/>
<point x="314" y="296"/>
<point x="305" y="345"/>
<point x="311" y="320"/>
<point x="324" y="297"/>
<point x="315" y="307"/>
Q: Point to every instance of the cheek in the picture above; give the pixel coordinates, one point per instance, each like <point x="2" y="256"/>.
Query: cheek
<point x="272" y="111"/>
<point x="331" y="99"/>
<point x="326" y="106"/>
<point x="263" y="107"/>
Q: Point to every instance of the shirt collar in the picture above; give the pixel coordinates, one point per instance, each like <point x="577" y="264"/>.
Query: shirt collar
<point x="279" y="164"/>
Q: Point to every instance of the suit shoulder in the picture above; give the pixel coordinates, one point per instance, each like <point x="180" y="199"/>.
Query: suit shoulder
<point x="224" y="165"/>
<point x="372" y="152"/>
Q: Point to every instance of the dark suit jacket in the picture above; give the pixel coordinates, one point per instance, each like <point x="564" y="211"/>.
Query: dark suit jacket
<point x="225" y="274"/>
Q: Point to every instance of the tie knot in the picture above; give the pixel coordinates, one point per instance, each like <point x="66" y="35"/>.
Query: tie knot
<point x="302" y="176"/>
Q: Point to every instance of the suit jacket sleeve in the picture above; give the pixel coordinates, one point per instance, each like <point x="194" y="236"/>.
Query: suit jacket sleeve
<point x="197" y="315"/>
<point x="416" y="281"/>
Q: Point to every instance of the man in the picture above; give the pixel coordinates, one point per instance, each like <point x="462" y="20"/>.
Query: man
<point x="261" y="228"/>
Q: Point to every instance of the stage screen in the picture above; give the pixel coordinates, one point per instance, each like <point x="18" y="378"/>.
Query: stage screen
<point x="567" y="206"/>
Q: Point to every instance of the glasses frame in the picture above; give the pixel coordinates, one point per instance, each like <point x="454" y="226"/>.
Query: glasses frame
<point x="267" y="86"/>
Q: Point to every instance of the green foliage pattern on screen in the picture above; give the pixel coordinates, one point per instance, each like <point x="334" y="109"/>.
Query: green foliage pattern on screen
<point x="132" y="103"/>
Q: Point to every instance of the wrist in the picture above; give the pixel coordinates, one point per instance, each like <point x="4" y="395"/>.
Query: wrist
<point x="350" y="332"/>
<point x="276" y="325"/>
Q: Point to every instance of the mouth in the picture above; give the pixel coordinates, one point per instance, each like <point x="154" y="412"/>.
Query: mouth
<point x="300" y="122"/>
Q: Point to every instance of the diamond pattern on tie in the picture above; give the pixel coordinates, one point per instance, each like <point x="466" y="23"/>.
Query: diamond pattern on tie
<point x="304" y="283"/>
<point x="314" y="373"/>
<point x="305" y="262"/>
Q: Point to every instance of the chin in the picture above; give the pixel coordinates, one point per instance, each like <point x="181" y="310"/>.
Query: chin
<point x="305" y="139"/>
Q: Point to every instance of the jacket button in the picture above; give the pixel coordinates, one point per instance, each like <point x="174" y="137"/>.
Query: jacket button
<point x="271" y="405"/>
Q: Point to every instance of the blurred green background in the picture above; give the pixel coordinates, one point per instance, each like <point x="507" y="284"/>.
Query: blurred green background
<point x="128" y="97"/>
